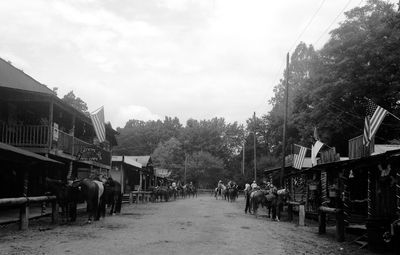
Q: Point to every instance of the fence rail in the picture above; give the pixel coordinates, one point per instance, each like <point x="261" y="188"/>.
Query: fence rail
<point x="24" y="202"/>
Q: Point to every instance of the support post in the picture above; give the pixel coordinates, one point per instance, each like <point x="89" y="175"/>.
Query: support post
<point x="340" y="226"/>
<point x="290" y="212"/>
<point x="322" y="222"/>
<point x="130" y="198"/>
<point x="24" y="209"/>
<point x="302" y="215"/>
<point x="54" y="212"/>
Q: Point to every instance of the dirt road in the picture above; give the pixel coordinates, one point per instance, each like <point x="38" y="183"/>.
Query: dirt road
<point x="187" y="226"/>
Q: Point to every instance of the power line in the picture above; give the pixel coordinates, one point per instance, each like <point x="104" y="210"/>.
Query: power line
<point x="334" y="20"/>
<point x="308" y="24"/>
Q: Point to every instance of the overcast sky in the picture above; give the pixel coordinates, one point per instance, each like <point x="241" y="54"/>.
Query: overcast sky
<point x="153" y="58"/>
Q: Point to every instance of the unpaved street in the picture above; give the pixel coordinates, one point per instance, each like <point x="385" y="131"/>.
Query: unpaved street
<point x="187" y="226"/>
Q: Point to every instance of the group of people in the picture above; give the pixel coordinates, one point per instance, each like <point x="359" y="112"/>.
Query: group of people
<point x="251" y="189"/>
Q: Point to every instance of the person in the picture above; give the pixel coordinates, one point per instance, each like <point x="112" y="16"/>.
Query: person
<point x="254" y="185"/>
<point x="247" y="191"/>
<point x="229" y="184"/>
<point x="219" y="184"/>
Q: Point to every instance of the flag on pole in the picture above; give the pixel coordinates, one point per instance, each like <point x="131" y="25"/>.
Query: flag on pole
<point x="367" y="131"/>
<point x="299" y="154"/>
<point x="316" y="136"/>
<point x="314" y="151"/>
<point x="98" y="124"/>
<point x="375" y="115"/>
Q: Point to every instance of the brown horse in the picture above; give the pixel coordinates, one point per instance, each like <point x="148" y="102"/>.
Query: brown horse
<point x="113" y="195"/>
<point x="65" y="198"/>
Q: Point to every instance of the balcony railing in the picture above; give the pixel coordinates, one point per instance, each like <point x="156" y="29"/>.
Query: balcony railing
<point x="24" y="135"/>
<point x="84" y="151"/>
<point x="37" y="136"/>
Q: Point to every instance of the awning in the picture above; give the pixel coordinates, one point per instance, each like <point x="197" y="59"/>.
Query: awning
<point x="18" y="155"/>
<point x="127" y="160"/>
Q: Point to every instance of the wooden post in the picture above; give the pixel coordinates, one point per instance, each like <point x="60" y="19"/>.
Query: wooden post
<point x="54" y="212"/>
<point x="322" y="222"/>
<point x="340" y="226"/>
<point x="290" y="212"/>
<point x="24" y="209"/>
<point x="140" y="181"/>
<point x="130" y="198"/>
<point x="302" y="215"/>
<point x="51" y="110"/>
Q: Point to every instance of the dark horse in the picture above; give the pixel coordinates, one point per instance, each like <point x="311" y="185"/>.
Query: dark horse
<point x="113" y="195"/>
<point x="161" y="192"/>
<point x="191" y="190"/>
<point x="92" y="192"/>
<point x="65" y="195"/>
<point x="272" y="199"/>
<point x="232" y="193"/>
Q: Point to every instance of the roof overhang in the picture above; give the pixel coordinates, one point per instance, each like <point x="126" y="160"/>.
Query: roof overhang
<point x="18" y="155"/>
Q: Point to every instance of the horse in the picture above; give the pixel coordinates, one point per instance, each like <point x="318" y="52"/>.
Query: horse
<point x="92" y="192"/>
<point x="161" y="192"/>
<point x="220" y="191"/>
<point x="113" y="195"/>
<point x="232" y="193"/>
<point x="257" y="197"/>
<point x="64" y="195"/>
<point x="191" y="189"/>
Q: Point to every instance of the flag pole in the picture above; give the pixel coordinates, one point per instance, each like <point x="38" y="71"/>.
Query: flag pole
<point x="397" y="118"/>
<point x="285" y="122"/>
<point x="244" y="142"/>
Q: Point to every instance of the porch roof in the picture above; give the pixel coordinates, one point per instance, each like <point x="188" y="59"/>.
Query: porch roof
<point x="12" y="77"/>
<point x="126" y="160"/>
<point x="17" y="155"/>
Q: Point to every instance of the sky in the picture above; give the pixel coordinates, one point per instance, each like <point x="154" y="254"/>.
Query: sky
<point x="147" y="59"/>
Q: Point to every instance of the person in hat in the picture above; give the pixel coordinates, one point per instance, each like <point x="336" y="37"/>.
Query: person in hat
<point x="254" y="185"/>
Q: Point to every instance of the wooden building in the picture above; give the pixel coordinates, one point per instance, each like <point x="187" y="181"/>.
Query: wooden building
<point x="33" y="118"/>
<point x="134" y="172"/>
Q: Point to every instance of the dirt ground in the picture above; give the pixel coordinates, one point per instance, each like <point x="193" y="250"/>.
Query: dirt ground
<point x="199" y="225"/>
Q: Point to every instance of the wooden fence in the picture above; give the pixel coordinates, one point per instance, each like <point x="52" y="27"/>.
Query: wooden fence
<point x="24" y="202"/>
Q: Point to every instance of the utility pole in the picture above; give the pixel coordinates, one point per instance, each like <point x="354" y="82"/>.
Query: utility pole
<point x="244" y="142"/>
<point x="285" y="122"/>
<point x="185" y="166"/>
<point x="255" y="144"/>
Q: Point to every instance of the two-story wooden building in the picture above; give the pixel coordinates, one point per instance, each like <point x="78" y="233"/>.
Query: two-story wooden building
<point x="33" y="118"/>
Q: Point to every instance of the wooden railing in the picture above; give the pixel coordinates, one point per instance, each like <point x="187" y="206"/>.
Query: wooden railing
<point x="25" y="202"/>
<point x="24" y="135"/>
<point x="38" y="136"/>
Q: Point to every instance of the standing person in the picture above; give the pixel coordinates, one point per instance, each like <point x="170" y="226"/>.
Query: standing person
<point x="247" y="191"/>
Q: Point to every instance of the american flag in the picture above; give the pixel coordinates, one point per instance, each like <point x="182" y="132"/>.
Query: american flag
<point x="375" y="115"/>
<point x="367" y="131"/>
<point x="98" y="124"/>
<point x="299" y="154"/>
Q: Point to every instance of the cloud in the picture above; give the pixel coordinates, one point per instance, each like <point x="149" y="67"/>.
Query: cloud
<point x="129" y="112"/>
<point x="145" y="59"/>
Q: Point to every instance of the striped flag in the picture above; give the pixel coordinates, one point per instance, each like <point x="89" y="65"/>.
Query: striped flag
<point x="299" y="154"/>
<point x="98" y="124"/>
<point x="375" y="114"/>
<point x="367" y="131"/>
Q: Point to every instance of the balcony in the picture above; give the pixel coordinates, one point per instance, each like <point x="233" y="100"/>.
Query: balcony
<point x="24" y="135"/>
<point x="37" y="136"/>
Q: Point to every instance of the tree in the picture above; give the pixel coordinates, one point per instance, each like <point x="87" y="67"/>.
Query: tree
<point x="170" y="155"/>
<point x="204" y="169"/>
<point x="76" y="102"/>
